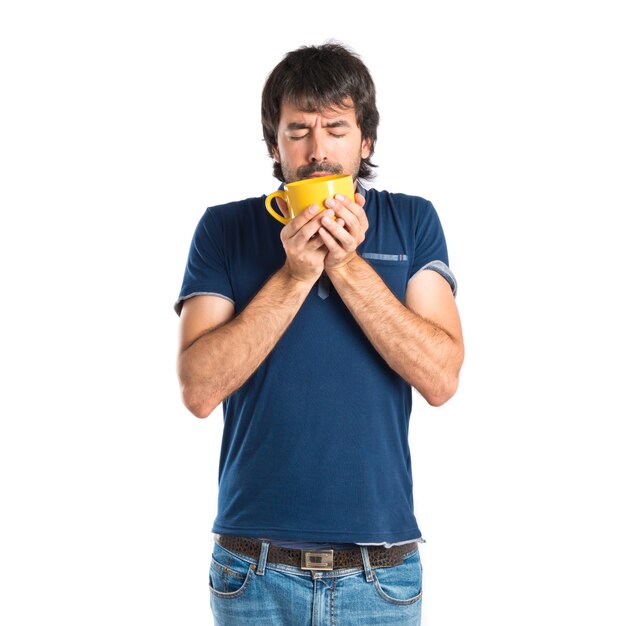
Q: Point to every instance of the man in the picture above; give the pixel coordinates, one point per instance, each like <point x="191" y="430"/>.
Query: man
<point x="311" y="335"/>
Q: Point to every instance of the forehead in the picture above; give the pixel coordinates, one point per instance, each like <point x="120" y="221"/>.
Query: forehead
<point x="290" y="112"/>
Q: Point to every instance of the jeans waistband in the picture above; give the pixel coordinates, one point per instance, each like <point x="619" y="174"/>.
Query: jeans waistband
<point x="378" y="556"/>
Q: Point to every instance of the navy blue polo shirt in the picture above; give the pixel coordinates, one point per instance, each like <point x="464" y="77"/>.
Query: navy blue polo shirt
<point x="315" y="443"/>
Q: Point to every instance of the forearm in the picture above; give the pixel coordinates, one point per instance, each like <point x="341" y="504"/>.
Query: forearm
<point x="424" y="354"/>
<point x="221" y="360"/>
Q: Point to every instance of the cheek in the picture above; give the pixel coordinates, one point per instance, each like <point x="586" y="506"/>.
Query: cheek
<point x="287" y="152"/>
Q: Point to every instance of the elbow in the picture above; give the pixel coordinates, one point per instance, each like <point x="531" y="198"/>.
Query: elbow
<point x="197" y="403"/>
<point x="439" y="394"/>
<point x="443" y="386"/>
<point x="447" y="383"/>
<point x="196" y="395"/>
<point x="437" y="379"/>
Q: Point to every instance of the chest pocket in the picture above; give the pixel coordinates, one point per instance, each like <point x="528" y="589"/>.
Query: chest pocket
<point x="392" y="268"/>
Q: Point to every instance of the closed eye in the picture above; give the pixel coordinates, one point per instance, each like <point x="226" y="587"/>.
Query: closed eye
<point x="298" y="137"/>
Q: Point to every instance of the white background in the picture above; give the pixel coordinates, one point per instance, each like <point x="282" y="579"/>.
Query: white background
<point x="121" y="121"/>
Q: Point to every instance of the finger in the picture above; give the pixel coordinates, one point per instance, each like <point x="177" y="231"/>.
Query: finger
<point x="359" y="200"/>
<point x="316" y="242"/>
<point x="341" y="202"/>
<point x="328" y="240"/>
<point x="299" y="221"/>
<point x="332" y="244"/>
<point x="347" y="214"/>
<point x="309" y="229"/>
<point x="337" y="230"/>
<point x="357" y="207"/>
<point x="308" y="232"/>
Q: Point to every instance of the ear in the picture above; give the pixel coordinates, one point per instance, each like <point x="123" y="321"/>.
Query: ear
<point x="366" y="147"/>
<point x="276" y="154"/>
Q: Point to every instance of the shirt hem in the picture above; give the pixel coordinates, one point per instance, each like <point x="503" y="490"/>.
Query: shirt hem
<point x="279" y="534"/>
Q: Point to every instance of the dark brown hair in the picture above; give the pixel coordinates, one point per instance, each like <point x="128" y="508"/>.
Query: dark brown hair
<point x="315" y="78"/>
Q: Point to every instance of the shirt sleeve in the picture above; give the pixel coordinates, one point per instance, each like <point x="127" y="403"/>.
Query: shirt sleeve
<point x="206" y="271"/>
<point x="431" y="252"/>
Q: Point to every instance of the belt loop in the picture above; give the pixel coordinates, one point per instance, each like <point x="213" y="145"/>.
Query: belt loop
<point x="369" y="574"/>
<point x="260" y="570"/>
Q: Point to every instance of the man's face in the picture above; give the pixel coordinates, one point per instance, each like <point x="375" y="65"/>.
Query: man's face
<point x="319" y="143"/>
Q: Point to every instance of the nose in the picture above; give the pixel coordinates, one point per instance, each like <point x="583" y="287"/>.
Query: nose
<point x="317" y="148"/>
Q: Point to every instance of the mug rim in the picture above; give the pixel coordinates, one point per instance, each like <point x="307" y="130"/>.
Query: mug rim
<point x="318" y="179"/>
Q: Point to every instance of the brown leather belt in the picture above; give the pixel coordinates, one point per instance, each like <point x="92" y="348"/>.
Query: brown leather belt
<point x="379" y="556"/>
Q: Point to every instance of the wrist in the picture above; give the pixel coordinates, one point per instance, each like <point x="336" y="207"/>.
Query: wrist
<point x="296" y="281"/>
<point x="343" y="266"/>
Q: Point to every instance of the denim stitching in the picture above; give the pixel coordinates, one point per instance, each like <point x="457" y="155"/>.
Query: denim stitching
<point x="397" y="601"/>
<point x="235" y="594"/>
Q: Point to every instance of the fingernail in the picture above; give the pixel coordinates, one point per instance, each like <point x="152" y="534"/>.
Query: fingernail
<point x="340" y="197"/>
<point x="313" y="209"/>
<point x="330" y="202"/>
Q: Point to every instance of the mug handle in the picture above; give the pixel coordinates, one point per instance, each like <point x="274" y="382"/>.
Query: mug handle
<point x="268" y="206"/>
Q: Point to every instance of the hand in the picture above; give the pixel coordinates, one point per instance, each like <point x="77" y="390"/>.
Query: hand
<point x="304" y="249"/>
<point x="344" y="235"/>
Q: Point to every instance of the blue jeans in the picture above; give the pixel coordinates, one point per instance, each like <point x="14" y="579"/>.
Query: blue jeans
<point x="246" y="591"/>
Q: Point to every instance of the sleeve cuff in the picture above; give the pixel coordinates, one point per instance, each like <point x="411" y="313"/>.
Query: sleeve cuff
<point x="441" y="268"/>
<point x="178" y="306"/>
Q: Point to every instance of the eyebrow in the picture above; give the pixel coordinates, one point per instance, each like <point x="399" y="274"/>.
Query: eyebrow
<point x="303" y="126"/>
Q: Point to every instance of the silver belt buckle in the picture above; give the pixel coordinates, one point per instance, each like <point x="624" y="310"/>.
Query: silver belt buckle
<point x="317" y="560"/>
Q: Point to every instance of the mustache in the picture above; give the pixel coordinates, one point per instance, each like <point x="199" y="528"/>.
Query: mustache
<point x="314" y="168"/>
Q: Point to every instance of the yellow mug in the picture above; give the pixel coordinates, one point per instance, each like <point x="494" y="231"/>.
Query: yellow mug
<point x="303" y="193"/>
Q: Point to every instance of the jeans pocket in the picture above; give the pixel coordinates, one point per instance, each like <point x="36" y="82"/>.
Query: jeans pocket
<point x="229" y="575"/>
<point x="401" y="584"/>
